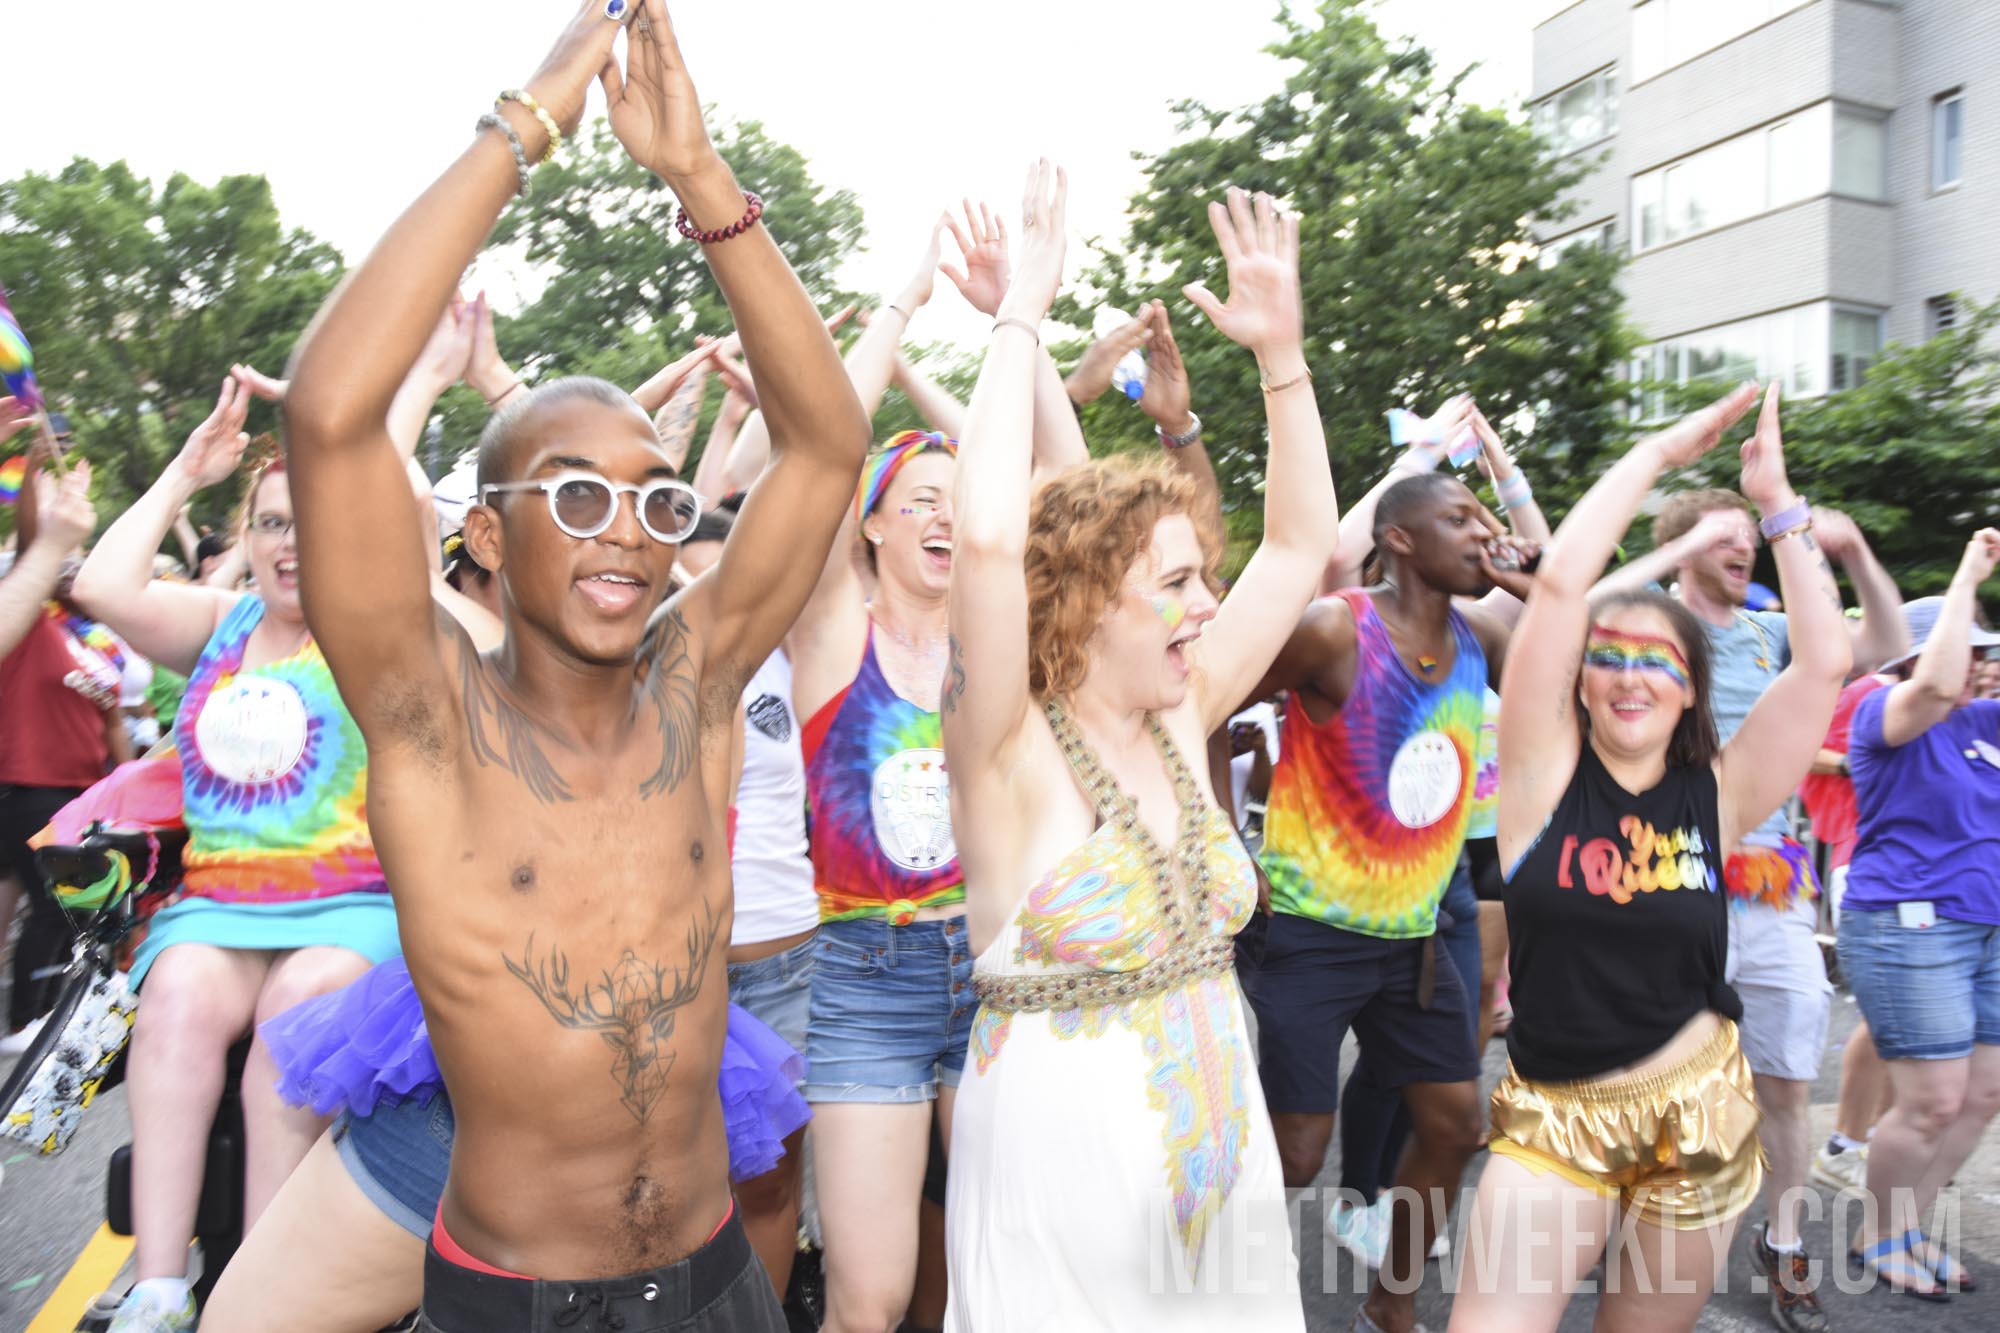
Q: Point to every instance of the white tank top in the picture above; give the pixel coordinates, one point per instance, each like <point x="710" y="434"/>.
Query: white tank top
<point x="771" y="866"/>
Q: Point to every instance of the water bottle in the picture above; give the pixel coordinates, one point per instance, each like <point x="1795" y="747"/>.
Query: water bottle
<point x="1129" y="375"/>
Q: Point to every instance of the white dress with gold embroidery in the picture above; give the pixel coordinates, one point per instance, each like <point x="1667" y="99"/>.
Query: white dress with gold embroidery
<point x="1112" y="1166"/>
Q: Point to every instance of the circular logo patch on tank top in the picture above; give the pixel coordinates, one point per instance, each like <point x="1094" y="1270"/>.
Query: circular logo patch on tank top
<point x="252" y="730"/>
<point x="911" y="803"/>
<point x="1425" y="779"/>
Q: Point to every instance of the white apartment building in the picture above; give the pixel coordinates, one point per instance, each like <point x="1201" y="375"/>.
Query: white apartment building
<point x="1796" y="183"/>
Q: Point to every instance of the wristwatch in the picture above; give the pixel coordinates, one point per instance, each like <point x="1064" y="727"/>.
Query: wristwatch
<point x="1183" y="440"/>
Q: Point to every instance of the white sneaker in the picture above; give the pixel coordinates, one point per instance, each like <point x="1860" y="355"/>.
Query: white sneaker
<point x="1847" y="1170"/>
<point x="1362" y="1232"/>
<point x="15" y="1043"/>
<point x="157" y="1305"/>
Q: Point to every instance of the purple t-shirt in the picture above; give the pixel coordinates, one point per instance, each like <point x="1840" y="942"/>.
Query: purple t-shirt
<point x="1929" y="814"/>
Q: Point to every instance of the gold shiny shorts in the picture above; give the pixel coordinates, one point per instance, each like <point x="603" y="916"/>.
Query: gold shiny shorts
<point x="1678" y="1146"/>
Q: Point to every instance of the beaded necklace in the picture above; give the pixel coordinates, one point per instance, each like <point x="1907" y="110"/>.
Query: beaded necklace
<point x="1204" y="955"/>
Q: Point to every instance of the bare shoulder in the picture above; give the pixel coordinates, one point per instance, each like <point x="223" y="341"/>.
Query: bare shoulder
<point x="417" y="713"/>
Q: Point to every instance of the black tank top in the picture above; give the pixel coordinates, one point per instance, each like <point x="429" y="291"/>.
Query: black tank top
<point x="1617" y="926"/>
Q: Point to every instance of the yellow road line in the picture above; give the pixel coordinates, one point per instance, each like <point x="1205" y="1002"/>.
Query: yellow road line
<point x="91" y="1273"/>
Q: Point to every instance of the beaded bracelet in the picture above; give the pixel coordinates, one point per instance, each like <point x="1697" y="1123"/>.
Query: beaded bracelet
<point x="539" y="112"/>
<point x="720" y="234"/>
<point x="492" y="121"/>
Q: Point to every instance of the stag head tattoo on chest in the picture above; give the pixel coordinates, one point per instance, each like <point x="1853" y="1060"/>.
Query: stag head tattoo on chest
<point x="633" y="1005"/>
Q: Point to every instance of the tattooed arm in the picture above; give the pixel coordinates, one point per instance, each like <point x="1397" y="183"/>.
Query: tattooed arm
<point x="1539" y="737"/>
<point x="674" y="423"/>
<point x="1774" y="748"/>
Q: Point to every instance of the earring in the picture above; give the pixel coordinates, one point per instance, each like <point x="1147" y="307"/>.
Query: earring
<point x="875" y="537"/>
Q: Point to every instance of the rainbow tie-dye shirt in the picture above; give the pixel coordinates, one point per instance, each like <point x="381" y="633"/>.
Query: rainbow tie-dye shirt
<point x="882" y="844"/>
<point x="275" y="776"/>
<point x="1368" y="810"/>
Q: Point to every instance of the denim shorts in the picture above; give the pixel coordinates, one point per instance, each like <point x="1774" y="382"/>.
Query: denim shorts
<point x="778" y="990"/>
<point x="1928" y="993"/>
<point x="399" y="1155"/>
<point x="892" y="1010"/>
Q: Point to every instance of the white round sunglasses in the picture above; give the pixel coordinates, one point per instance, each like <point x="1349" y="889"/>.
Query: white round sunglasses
<point x="583" y="504"/>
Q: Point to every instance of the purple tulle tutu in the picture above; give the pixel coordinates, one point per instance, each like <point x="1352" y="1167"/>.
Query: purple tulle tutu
<point x="365" y="1044"/>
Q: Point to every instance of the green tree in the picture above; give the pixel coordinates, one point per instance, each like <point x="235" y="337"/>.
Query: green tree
<point x="624" y="294"/>
<point x="137" y="300"/>
<point x="1418" y="264"/>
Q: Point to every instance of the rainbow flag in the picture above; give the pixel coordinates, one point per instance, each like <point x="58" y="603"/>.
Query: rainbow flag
<point x="12" y="473"/>
<point x="17" y="359"/>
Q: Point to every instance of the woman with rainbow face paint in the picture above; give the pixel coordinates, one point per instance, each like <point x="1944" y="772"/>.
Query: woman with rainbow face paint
<point x="1090" y="660"/>
<point x="892" y="999"/>
<point x="1617" y="811"/>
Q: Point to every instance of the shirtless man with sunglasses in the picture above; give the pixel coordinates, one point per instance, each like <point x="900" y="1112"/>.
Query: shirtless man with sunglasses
<point x="551" y="814"/>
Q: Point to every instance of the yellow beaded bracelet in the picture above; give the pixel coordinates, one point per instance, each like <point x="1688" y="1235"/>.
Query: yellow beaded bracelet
<point x="539" y="112"/>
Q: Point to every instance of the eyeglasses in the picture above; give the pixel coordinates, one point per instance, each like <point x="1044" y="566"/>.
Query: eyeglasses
<point x="270" y="525"/>
<point x="583" y="504"/>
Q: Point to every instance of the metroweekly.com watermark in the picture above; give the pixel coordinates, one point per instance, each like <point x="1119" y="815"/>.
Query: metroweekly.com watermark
<point x="1509" y="1247"/>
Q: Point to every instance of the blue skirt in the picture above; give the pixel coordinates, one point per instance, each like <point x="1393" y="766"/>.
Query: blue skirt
<point x="363" y="922"/>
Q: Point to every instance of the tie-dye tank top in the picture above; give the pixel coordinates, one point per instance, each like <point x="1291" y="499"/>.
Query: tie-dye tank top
<point x="275" y="776"/>
<point x="1368" y="810"/>
<point x="882" y="843"/>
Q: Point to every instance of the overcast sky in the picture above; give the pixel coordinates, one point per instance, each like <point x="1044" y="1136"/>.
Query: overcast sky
<point x="351" y="109"/>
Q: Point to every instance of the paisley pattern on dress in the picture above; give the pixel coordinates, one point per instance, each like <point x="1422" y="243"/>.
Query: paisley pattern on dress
<point x="1099" y="910"/>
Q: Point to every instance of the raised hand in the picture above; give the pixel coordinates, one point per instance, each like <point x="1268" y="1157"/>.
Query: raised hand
<point x="443" y="361"/>
<point x="13" y="416"/>
<point x="1494" y="462"/>
<point x="1982" y="553"/>
<point x="1168" y="400"/>
<point x="260" y="385"/>
<point x="1839" y="536"/>
<point x="1092" y="374"/>
<point x="1260" y="247"/>
<point x="736" y="377"/>
<point x="560" y="85"/>
<point x="983" y="243"/>
<point x="1764" y="482"/>
<point x="217" y="444"/>
<point x="1044" y="239"/>
<point x="1700" y="431"/>
<point x="486" y="371"/>
<point x="655" y="111"/>
<point x="63" y="513"/>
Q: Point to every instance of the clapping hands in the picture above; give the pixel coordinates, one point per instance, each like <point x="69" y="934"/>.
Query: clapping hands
<point x="217" y="444"/>
<point x="64" y="516"/>
<point x="1044" y="240"/>
<point x="983" y="243"/>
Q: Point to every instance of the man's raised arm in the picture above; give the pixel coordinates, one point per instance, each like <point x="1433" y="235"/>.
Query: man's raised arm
<point x="363" y="583"/>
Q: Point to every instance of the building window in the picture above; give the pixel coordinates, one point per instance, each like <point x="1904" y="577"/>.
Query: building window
<point x="1947" y="140"/>
<point x="1600" y="235"/>
<point x="1582" y="114"/>
<point x="1860" y="154"/>
<point x="1752" y="173"/>
<point x="1940" y="315"/>
<point x="1813" y="349"/>
<point x="1667" y="32"/>
<point x="1857" y="341"/>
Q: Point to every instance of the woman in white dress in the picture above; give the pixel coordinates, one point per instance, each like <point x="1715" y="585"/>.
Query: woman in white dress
<point x="1112" y="1164"/>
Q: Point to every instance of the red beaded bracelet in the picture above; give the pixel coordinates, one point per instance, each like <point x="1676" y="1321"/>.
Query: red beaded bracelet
<point x="736" y="228"/>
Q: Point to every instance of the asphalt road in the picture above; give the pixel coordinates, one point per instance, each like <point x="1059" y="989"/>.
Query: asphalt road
<point x="50" y="1208"/>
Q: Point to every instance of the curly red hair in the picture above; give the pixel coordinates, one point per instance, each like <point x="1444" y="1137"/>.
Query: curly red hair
<point x="1085" y="528"/>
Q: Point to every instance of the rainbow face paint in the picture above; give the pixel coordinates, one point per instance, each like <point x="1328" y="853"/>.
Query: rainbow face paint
<point x="1171" y="611"/>
<point x="1616" y="650"/>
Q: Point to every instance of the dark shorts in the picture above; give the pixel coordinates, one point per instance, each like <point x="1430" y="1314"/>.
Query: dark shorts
<point x="1316" y="981"/>
<point x="399" y="1155"/>
<point x="720" y="1286"/>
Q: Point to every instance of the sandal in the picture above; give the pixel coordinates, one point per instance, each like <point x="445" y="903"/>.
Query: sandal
<point x="1893" y="1256"/>
<point x="1949" y="1272"/>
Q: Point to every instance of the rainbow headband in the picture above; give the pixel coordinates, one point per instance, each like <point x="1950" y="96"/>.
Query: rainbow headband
<point x="1615" y="650"/>
<point x="882" y="466"/>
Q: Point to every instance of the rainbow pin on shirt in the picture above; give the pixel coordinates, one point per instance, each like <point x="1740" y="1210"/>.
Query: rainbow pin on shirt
<point x="1616" y="650"/>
